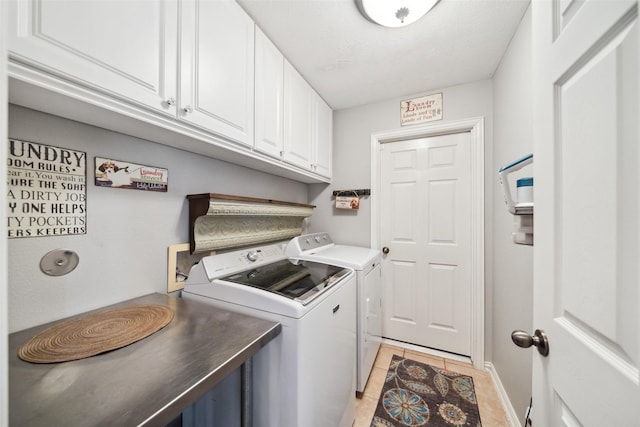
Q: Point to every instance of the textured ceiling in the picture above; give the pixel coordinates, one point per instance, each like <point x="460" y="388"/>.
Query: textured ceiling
<point x="351" y="61"/>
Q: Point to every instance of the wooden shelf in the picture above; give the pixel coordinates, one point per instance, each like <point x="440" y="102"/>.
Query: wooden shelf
<point x="223" y="221"/>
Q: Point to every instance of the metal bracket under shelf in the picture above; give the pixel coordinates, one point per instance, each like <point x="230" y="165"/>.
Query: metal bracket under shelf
<point x="361" y="192"/>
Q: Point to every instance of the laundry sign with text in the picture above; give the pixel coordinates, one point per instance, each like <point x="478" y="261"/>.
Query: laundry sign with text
<point x="419" y="110"/>
<point x="46" y="190"/>
<point x="120" y="174"/>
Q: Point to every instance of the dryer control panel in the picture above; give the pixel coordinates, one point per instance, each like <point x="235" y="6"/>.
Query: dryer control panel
<point x="220" y="265"/>
<point x="307" y="242"/>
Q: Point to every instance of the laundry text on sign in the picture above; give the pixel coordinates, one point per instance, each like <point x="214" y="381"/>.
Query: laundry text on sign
<point x="46" y="190"/>
<point x="420" y="110"/>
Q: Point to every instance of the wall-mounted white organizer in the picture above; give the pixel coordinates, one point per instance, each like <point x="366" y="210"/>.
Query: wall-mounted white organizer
<point x="522" y="206"/>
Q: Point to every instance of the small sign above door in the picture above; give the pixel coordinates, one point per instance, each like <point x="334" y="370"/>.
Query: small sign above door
<point x="419" y="110"/>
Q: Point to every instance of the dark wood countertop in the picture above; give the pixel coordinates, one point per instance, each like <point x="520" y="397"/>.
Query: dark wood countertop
<point x="149" y="382"/>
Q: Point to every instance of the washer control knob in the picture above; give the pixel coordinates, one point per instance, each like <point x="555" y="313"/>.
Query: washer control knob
<point x="317" y="239"/>
<point x="252" y="256"/>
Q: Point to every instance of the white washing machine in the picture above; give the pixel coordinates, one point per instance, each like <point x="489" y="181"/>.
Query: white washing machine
<point x="319" y="247"/>
<point x="306" y="376"/>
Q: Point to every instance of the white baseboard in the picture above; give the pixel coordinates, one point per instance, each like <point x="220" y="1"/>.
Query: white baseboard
<point x="426" y="350"/>
<point x="512" y="417"/>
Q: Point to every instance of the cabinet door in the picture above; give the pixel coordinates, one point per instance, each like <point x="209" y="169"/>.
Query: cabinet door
<point x="124" y="49"/>
<point x="269" y="96"/>
<point x="298" y="116"/>
<point x="323" y="137"/>
<point x="216" y="82"/>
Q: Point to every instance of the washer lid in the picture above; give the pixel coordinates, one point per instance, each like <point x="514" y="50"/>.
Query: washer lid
<point x="301" y="282"/>
<point x="356" y="257"/>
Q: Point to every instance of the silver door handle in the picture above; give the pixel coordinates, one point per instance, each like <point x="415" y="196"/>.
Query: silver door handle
<point x="538" y="340"/>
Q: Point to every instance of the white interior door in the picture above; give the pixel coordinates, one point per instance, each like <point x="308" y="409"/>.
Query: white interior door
<point x="425" y="223"/>
<point x="587" y="241"/>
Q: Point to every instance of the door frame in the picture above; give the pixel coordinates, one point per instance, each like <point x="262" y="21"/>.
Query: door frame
<point x="475" y="126"/>
<point x="4" y="263"/>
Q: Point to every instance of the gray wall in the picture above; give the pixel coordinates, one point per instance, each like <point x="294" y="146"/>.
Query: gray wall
<point x="512" y="264"/>
<point x="352" y="129"/>
<point x="505" y="102"/>
<point x="124" y="252"/>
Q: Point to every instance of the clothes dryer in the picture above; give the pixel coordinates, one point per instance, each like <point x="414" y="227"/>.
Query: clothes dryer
<point x="366" y="262"/>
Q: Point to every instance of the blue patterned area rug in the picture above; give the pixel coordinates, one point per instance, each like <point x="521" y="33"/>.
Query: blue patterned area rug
<point x="417" y="394"/>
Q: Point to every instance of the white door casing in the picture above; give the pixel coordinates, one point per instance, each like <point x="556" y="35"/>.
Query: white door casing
<point x="587" y="242"/>
<point x="474" y="128"/>
<point x="4" y="263"/>
<point x="425" y="223"/>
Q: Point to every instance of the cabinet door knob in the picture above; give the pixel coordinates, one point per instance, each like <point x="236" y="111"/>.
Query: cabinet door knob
<point x="188" y="109"/>
<point x="171" y="101"/>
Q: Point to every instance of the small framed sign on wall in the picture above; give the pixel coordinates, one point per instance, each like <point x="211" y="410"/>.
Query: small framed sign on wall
<point x="46" y="191"/>
<point x="420" y="110"/>
<point x="120" y="174"/>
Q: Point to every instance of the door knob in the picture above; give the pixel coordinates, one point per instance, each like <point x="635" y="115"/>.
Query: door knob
<point x="538" y="340"/>
<point x="385" y="250"/>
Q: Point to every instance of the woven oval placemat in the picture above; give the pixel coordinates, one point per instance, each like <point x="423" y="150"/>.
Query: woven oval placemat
<point x="95" y="333"/>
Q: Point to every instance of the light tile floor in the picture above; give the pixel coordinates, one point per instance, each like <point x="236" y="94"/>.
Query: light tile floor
<point x="492" y="413"/>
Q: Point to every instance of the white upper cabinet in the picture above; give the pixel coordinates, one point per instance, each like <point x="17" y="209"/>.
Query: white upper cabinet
<point x="298" y="118"/>
<point x="124" y="49"/>
<point x="269" y="97"/>
<point x="193" y="74"/>
<point x="217" y="68"/>
<point x="322" y="137"/>
<point x="292" y="121"/>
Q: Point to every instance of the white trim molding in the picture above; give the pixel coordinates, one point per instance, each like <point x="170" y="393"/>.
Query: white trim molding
<point x="510" y="412"/>
<point x="475" y="126"/>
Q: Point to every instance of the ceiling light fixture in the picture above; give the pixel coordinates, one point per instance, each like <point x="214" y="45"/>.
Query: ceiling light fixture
<point x="394" y="13"/>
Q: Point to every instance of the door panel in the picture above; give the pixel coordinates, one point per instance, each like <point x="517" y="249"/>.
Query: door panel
<point x="217" y="68"/>
<point x="587" y="196"/>
<point x="402" y="304"/>
<point x="83" y="41"/>
<point x="298" y="118"/>
<point x="269" y="96"/>
<point x="426" y="221"/>
<point x="441" y="207"/>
